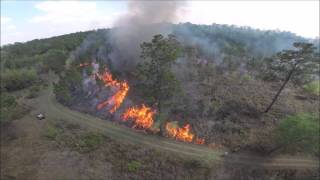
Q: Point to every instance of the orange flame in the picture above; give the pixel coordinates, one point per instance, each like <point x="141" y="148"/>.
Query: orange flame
<point x="199" y="141"/>
<point x="117" y="99"/>
<point x="183" y="134"/>
<point x="142" y="116"/>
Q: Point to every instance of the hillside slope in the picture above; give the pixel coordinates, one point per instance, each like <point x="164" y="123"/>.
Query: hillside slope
<point x="47" y="104"/>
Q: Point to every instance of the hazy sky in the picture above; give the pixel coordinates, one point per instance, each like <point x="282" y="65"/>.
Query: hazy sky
<point x="27" y="20"/>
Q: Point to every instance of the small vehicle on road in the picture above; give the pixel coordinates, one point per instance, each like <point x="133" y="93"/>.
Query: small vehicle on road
<point x="40" y="116"/>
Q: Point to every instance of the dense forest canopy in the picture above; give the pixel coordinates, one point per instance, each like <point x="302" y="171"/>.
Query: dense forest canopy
<point x="209" y="37"/>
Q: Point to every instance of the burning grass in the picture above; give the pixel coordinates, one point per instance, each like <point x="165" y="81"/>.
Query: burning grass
<point x="142" y="116"/>
<point x="183" y="134"/>
<point x="117" y="99"/>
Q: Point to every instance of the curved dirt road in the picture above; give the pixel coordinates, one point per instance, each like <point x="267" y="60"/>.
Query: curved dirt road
<point x="47" y="104"/>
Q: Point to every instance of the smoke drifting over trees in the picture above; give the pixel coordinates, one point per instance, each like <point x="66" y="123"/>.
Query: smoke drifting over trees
<point x="119" y="47"/>
<point x="142" y="21"/>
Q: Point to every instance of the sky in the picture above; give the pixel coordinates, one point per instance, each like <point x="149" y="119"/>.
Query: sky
<point x="26" y="20"/>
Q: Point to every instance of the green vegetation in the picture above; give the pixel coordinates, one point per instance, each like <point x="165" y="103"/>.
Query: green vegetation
<point x="52" y="131"/>
<point x="19" y="55"/>
<point x="217" y="78"/>
<point x="10" y="109"/>
<point x="15" y="79"/>
<point x="295" y="64"/>
<point x="68" y="83"/>
<point x="134" y="166"/>
<point x="246" y="78"/>
<point x="65" y="133"/>
<point x="55" y="60"/>
<point x="7" y="100"/>
<point x="299" y="133"/>
<point x="89" y="142"/>
<point x="24" y="64"/>
<point x="157" y="83"/>
<point x="313" y="87"/>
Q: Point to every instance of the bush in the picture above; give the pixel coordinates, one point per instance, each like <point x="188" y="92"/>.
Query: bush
<point x="16" y="79"/>
<point x="313" y="87"/>
<point x="299" y="133"/>
<point x="62" y="93"/>
<point x="17" y="112"/>
<point x="68" y="84"/>
<point x="52" y="131"/>
<point x="7" y="101"/>
<point x="10" y="109"/>
<point x="21" y="62"/>
<point x="55" y="60"/>
<point x="134" y="166"/>
<point x="246" y="78"/>
<point x="89" y="142"/>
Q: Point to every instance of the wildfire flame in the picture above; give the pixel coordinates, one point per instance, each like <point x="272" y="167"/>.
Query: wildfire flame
<point x="199" y="141"/>
<point x="117" y="99"/>
<point x="183" y="134"/>
<point x="142" y="116"/>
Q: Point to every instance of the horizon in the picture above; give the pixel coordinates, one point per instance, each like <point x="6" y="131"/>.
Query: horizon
<point x="23" y="21"/>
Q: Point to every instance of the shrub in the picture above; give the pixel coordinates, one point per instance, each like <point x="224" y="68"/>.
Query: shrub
<point x="21" y="62"/>
<point x="55" y="60"/>
<point x="16" y="79"/>
<point x="17" y="112"/>
<point x="52" y="132"/>
<point x="246" y="78"/>
<point x="299" y="133"/>
<point x="313" y="87"/>
<point x="89" y="142"/>
<point x="68" y="84"/>
<point x="7" y="100"/>
<point x="134" y="166"/>
<point x="10" y="109"/>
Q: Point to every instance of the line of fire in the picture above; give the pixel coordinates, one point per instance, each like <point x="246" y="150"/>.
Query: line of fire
<point x="141" y="116"/>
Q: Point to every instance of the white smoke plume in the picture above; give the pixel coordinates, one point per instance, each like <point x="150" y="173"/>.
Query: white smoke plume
<point x="143" y="20"/>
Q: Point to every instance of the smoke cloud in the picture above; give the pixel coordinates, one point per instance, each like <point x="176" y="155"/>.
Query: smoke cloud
<point x="143" y="20"/>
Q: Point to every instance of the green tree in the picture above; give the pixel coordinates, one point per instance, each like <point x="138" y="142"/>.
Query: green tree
<point x="156" y="80"/>
<point x="55" y="60"/>
<point x="295" y="64"/>
<point x="68" y="84"/>
<point x="15" y="79"/>
<point x="298" y="133"/>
